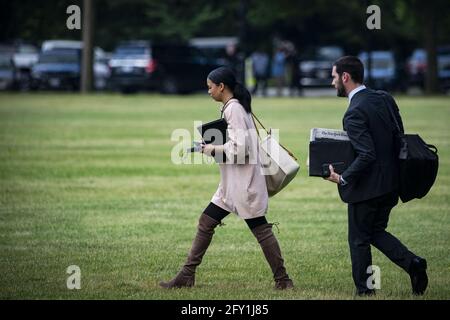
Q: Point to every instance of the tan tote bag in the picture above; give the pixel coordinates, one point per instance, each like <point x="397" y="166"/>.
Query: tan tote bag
<point x="279" y="165"/>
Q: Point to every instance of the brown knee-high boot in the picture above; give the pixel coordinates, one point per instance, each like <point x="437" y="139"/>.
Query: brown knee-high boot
<point x="186" y="276"/>
<point x="272" y="252"/>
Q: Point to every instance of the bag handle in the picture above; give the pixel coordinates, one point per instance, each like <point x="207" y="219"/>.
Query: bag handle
<point x="268" y="133"/>
<point x="432" y="147"/>
<point x="255" y="117"/>
<point x="256" y="127"/>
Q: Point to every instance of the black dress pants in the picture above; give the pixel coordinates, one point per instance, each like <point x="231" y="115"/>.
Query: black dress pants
<point x="367" y="223"/>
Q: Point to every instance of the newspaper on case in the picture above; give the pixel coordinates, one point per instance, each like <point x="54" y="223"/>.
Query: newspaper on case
<point x="328" y="134"/>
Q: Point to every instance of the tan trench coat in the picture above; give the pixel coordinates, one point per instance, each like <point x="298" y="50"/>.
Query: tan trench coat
<point x="242" y="187"/>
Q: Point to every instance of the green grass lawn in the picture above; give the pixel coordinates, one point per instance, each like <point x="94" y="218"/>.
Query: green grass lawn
<point x="88" y="181"/>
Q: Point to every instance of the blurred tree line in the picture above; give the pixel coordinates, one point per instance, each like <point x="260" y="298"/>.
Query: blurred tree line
<point x="405" y="24"/>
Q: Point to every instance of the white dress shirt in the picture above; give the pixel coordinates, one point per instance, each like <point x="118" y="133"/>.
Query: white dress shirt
<point x="355" y="91"/>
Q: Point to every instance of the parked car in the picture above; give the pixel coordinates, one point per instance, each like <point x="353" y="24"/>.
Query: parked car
<point x="48" y="45"/>
<point x="57" y="69"/>
<point x="7" y="71"/>
<point x="169" y="68"/>
<point x="25" y="56"/>
<point x="59" y="66"/>
<point x="22" y="57"/>
<point x="417" y="67"/>
<point x="383" y="69"/>
<point x="315" y="69"/>
<point x="61" y="69"/>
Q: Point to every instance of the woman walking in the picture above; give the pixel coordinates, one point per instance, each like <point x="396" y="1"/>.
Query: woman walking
<point x="242" y="189"/>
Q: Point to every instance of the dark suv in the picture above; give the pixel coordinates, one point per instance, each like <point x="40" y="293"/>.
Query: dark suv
<point x="169" y="68"/>
<point x="57" y="69"/>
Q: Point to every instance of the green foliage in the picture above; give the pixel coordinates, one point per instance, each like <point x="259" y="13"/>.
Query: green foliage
<point x="179" y="19"/>
<point x="306" y="23"/>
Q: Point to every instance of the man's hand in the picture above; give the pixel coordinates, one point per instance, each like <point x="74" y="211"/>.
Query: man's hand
<point x="207" y="149"/>
<point x="334" y="177"/>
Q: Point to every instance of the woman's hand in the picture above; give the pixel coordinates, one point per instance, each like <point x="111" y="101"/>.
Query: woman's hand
<point x="208" y="149"/>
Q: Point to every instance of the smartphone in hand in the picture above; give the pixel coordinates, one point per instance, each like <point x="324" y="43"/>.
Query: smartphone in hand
<point x="197" y="147"/>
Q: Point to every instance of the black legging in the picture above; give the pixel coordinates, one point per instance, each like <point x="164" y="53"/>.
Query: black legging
<point x="217" y="213"/>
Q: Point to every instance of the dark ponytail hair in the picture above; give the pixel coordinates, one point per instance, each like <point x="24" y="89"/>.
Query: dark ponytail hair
<point x="226" y="76"/>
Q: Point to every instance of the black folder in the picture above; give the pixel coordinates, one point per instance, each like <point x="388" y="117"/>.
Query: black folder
<point x="215" y="132"/>
<point x="322" y="153"/>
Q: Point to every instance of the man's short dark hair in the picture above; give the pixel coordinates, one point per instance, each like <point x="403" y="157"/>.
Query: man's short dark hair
<point x="352" y="65"/>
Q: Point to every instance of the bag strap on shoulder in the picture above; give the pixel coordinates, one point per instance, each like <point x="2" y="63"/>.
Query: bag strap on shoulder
<point x="225" y="106"/>
<point x="403" y="152"/>
<point x="391" y="112"/>
<point x="399" y="131"/>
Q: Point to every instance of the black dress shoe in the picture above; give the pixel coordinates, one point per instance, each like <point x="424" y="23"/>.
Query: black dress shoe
<point x="366" y="293"/>
<point x="418" y="275"/>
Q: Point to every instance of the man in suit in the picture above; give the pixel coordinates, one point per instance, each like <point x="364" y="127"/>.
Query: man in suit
<point x="369" y="185"/>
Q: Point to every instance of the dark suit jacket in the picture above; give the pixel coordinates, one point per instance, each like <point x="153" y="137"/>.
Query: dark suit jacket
<point x="371" y="130"/>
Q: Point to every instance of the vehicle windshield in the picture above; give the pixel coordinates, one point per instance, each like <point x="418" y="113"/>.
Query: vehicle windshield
<point x="381" y="63"/>
<point x="59" y="58"/>
<point x="381" y="60"/>
<point x="130" y="50"/>
<point x="330" y="53"/>
<point x="27" y="49"/>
